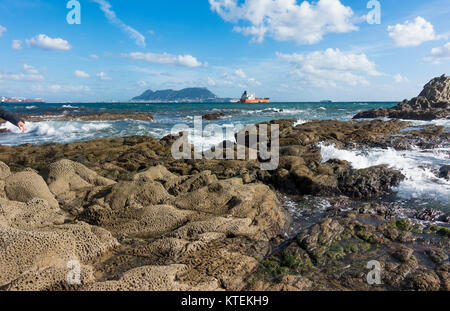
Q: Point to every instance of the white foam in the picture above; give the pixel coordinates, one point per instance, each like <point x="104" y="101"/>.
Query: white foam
<point x="418" y="167"/>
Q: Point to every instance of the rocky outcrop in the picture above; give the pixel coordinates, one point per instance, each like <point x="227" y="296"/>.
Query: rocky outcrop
<point x="432" y="103"/>
<point x="176" y="232"/>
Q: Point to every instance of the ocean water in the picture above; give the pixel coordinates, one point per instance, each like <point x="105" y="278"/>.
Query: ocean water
<point x="421" y="188"/>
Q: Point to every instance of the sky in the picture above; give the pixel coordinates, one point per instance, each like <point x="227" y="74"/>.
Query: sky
<point x="288" y="50"/>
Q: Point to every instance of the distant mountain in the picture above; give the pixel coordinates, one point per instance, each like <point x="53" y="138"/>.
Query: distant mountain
<point x="195" y="94"/>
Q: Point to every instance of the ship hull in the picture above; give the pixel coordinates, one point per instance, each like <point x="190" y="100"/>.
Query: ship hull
<point x="256" y="101"/>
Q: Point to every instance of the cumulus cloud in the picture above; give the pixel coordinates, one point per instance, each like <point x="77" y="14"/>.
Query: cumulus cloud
<point x="103" y="76"/>
<point x="2" y="30"/>
<point x="331" y="67"/>
<point x="29" y="73"/>
<point x="286" y="20"/>
<point x="94" y="56"/>
<point x="81" y="74"/>
<point x="16" y="45"/>
<point x="46" y="43"/>
<point x="141" y="83"/>
<point x="165" y="58"/>
<point x="439" y="54"/>
<point x="105" y="6"/>
<point x="400" y="79"/>
<point x="413" y="33"/>
<point x="233" y="78"/>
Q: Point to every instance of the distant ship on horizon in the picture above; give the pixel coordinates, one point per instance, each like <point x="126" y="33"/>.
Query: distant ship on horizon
<point x="251" y="98"/>
<point x="21" y="100"/>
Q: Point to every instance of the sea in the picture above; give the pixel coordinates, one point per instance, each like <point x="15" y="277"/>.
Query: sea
<point x="422" y="187"/>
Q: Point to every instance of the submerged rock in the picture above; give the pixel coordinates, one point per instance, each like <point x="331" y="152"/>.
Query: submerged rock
<point x="432" y="103"/>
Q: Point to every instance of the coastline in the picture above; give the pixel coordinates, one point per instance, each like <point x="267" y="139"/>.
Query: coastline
<point x="227" y="217"/>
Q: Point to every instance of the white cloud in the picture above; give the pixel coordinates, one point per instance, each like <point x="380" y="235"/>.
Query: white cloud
<point x="81" y="74"/>
<point x="286" y="20"/>
<point x="439" y="53"/>
<point x="16" y="44"/>
<point x="29" y="73"/>
<point x="141" y="83"/>
<point x="413" y="33"/>
<point x="400" y="79"/>
<point x="46" y="43"/>
<point x="94" y="56"/>
<point x="2" y="30"/>
<point x="240" y="73"/>
<point x="103" y="76"/>
<point x="105" y="6"/>
<point x="233" y="78"/>
<point x="331" y="67"/>
<point x="57" y="88"/>
<point x="165" y="58"/>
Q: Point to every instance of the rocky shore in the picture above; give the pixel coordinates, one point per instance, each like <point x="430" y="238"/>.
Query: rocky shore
<point x="432" y="103"/>
<point x="140" y="116"/>
<point x="134" y="218"/>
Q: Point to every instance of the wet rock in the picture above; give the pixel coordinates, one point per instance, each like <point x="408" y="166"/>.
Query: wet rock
<point x="444" y="172"/>
<point x="437" y="255"/>
<point x="369" y="183"/>
<point x="432" y="215"/>
<point x="213" y="116"/>
<point x="423" y="281"/>
<point x="402" y="253"/>
<point x="432" y="103"/>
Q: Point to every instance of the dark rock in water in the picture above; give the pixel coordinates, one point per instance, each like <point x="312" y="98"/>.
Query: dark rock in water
<point x="4" y="131"/>
<point x="213" y="116"/>
<point x="433" y="215"/>
<point x="444" y="172"/>
<point x="140" y="116"/>
<point x="432" y="103"/>
<point x="370" y="182"/>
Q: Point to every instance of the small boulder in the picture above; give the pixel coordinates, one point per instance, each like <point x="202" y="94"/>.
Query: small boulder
<point x="25" y="186"/>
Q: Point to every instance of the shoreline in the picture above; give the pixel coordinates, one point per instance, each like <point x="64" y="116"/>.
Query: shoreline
<point x="226" y="216"/>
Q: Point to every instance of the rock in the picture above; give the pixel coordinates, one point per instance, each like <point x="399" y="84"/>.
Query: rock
<point x="433" y="215"/>
<point x="370" y="182"/>
<point x="4" y="131"/>
<point x="55" y="246"/>
<point x="66" y="179"/>
<point x="437" y="255"/>
<point x="213" y="116"/>
<point x="4" y="171"/>
<point x="141" y="193"/>
<point x="155" y="173"/>
<point x="432" y="103"/>
<point x="444" y="172"/>
<point x="402" y="253"/>
<point x="26" y="186"/>
<point x="152" y="278"/>
<point x="423" y="281"/>
<point x="34" y="214"/>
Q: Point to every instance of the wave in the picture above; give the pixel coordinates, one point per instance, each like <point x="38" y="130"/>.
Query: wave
<point x="418" y="166"/>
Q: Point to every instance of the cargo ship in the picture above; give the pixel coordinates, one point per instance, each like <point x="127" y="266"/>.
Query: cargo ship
<point x="21" y="100"/>
<point x="251" y="98"/>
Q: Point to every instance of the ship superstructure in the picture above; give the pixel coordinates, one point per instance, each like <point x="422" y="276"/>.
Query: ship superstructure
<point x="251" y="98"/>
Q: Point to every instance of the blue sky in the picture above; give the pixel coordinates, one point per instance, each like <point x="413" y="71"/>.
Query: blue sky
<point x="284" y="49"/>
